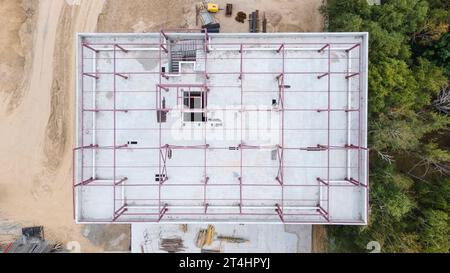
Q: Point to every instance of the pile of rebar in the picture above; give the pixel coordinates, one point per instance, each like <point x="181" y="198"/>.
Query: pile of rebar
<point x="172" y="245"/>
<point x="231" y="239"/>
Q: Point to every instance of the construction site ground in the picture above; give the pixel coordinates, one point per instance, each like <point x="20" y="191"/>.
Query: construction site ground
<point x="37" y="82"/>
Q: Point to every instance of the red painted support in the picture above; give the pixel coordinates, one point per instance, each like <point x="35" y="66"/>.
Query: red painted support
<point x="279" y="212"/>
<point x="114" y="134"/>
<point x="313" y="149"/>
<point x="91" y="75"/>
<point x="240" y="192"/>
<point x="355" y="46"/>
<point x="322" y="181"/>
<point x="121" y="48"/>
<point x="85" y="182"/>
<point x="164" y="35"/>
<point x="164" y="48"/>
<point x="352" y="75"/>
<point x="323" y="48"/>
<point x="163" y="87"/>
<point x="121" y="181"/>
<point x="279" y="180"/>
<point x="351" y="146"/>
<point x="206" y="41"/>
<point x="90" y="47"/>
<point x="323" y="213"/>
<point x="162" y="74"/>
<point x="353" y="181"/>
<point x="280" y="48"/>
<point x="323" y="75"/>
<point x="122" y="75"/>
<point x="162" y="212"/>
<point x="241" y="51"/>
<point x="119" y="212"/>
<point x="328" y="130"/>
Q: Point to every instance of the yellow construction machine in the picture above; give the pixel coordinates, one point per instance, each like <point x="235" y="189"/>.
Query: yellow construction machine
<point x="213" y="8"/>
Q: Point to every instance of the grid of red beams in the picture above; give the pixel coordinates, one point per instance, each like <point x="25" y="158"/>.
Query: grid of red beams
<point x="164" y="208"/>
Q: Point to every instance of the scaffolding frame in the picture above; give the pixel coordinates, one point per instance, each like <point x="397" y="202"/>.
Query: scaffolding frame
<point x="164" y="207"/>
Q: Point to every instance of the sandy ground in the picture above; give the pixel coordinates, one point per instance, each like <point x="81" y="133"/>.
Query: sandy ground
<point x="37" y="93"/>
<point x="319" y="239"/>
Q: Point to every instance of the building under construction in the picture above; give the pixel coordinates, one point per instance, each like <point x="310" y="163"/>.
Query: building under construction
<point x="186" y="126"/>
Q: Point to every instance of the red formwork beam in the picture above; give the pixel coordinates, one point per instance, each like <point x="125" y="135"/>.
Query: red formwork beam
<point x="318" y="73"/>
<point x="280" y="77"/>
<point x="323" y="48"/>
<point x="115" y="216"/>
<point x="90" y="47"/>
<point x="281" y="109"/>
<point x="353" y="47"/>
<point x="163" y="37"/>
<point x="329" y="126"/>
<point x="121" y="48"/>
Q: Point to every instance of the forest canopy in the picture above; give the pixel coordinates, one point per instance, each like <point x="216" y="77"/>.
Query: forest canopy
<point x="409" y="117"/>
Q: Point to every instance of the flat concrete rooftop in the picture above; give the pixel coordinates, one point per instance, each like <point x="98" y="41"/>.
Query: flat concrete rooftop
<point x="194" y="127"/>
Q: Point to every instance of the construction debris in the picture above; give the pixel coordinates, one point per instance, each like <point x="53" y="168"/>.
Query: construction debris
<point x="184" y="228"/>
<point x="9" y="232"/>
<point x="229" y="10"/>
<point x="201" y="238"/>
<point x="209" y="235"/>
<point x="208" y="21"/>
<point x="32" y="241"/>
<point x="37" y="232"/>
<point x="210" y="250"/>
<point x="254" y="21"/>
<point x="172" y="245"/>
<point x="264" y="23"/>
<point x="205" y="236"/>
<point x="241" y="16"/>
<point x="231" y="239"/>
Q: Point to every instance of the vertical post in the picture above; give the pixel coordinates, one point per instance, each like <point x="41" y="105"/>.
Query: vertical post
<point x="242" y="133"/>
<point x="328" y="129"/>
<point x="162" y="212"/>
<point x="206" y="41"/>
<point x="282" y="128"/>
<point x="73" y="183"/>
<point x="359" y="114"/>
<point x="241" y="51"/>
<point x="348" y="115"/>
<point x="82" y="113"/>
<point x="114" y="132"/>
<point x="161" y="42"/>
<point x="158" y="101"/>
<point x="279" y="212"/>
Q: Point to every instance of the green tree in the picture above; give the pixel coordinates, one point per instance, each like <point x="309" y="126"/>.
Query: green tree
<point x="439" y="53"/>
<point x="435" y="231"/>
<point x="408" y="129"/>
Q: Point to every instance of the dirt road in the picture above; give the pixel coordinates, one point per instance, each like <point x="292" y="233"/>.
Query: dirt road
<point x="37" y="90"/>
